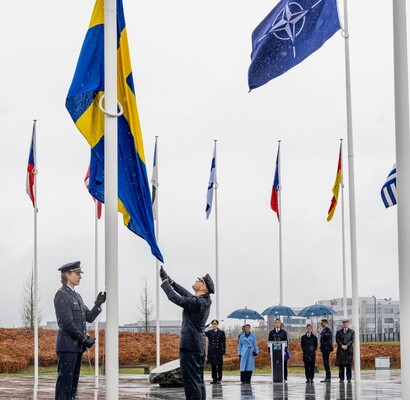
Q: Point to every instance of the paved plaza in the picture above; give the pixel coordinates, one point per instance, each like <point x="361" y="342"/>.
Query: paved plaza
<point x="375" y="385"/>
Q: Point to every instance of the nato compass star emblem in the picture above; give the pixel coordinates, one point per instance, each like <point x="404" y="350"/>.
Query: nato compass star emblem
<point x="289" y="23"/>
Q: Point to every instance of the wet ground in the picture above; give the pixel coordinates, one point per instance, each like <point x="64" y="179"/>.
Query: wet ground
<point x="380" y="385"/>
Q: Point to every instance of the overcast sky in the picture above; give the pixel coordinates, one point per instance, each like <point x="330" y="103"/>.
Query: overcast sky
<point x="190" y="62"/>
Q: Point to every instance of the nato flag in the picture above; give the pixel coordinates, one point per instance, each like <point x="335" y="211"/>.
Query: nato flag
<point x="291" y="32"/>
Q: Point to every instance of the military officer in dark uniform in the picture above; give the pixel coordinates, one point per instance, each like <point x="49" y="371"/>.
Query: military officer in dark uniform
<point x="192" y="342"/>
<point x="216" y="350"/>
<point x="326" y="347"/>
<point x="72" y="339"/>
<point x="278" y="334"/>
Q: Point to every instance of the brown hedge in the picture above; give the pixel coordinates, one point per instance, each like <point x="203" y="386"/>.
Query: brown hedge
<point x="17" y="350"/>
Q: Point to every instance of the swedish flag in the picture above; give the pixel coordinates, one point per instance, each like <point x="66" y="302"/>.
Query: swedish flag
<point x="87" y="87"/>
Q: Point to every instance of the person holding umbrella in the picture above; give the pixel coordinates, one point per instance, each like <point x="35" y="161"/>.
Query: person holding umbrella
<point x="247" y="351"/>
<point x="326" y="347"/>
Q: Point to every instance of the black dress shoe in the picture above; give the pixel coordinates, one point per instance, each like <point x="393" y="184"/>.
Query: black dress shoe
<point x="213" y="382"/>
<point x="307" y="381"/>
<point x="325" y="381"/>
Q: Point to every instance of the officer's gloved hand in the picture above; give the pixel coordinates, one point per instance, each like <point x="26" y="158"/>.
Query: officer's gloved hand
<point x="100" y="299"/>
<point x="162" y="274"/>
<point x="89" y="342"/>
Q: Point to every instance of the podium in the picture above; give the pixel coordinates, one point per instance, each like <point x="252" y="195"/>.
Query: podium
<point x="277" y="360"/>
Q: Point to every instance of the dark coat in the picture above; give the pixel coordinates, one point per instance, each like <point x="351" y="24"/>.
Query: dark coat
<point x="194" y="316"/>
<point x="216" y="346"/>
<point x="326" y="340"/>
<point x="280" y="336"/>
<point x="344" y="357"/>
<point x="72" y="317"/>
<point x="309" y="347"/>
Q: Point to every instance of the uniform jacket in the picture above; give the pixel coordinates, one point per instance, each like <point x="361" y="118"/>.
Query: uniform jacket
<point x="72" y="317"/>
<point x="326" y="340"/>
<point x="247" y="345"/>
<point x="216" y="346"/>
<point x="309" y="347"/>
<point x="344" y="357"/>
<point x="194" y="317"/>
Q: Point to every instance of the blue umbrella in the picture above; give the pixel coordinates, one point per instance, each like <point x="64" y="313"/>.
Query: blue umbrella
<point x="245" y="313"/>
<point x="279" y="310"/>
<point x="316" y="310"/>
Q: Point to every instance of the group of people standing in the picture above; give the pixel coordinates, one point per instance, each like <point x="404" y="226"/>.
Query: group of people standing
<point x="344" y="356"/>
<point x="248" y="349"/>
<point x="72" y="339"/>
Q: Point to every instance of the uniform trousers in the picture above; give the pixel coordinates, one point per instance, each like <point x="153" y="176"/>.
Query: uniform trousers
<point x="309" y="369"/>
<point x="216" y="372"/>
<point x="69" y="365"/>
<point x="192" y="370"/>
<point x="326" y="363"/>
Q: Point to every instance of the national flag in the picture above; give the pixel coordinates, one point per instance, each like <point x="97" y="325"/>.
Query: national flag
<point x="274" y="199"/>
<point x="154" y="182"/>
<point x="87" y="184"/>
<point x="31" y="168"/>
<point x="389" y="189"/>
<point x="291" y="32"/>
<point x="87" y="87"/>
<point x="336" y="187"/>
<point x="210" y="192"/>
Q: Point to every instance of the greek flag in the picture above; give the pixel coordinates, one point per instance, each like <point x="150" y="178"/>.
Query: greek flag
<point x="389" y="189"/>
<point x="210" y="192"/>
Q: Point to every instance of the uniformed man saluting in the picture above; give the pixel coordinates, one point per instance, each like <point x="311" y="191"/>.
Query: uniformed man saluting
<point x="72" y="340"/>
<point x="192" y="342"/>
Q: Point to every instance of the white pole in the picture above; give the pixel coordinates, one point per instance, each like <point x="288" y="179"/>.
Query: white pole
<point x="96" y="346"/>
<point x="35" y="289"/>
<point x="343" y="235"/>
<point x="352" y="203"/>
<point x="280" y="229"/>
<point x="401" y="97"/>
<point x="216" y="239"/>
<point x="111" y="199"/>
<point x="158" y="283"/>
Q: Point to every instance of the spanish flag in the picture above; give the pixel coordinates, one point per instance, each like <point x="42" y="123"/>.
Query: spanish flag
<point x="336" y="186"/>
<point x="87" y="87"/>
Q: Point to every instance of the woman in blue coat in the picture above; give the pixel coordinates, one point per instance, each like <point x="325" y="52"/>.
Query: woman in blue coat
<point x="247" y="350"/>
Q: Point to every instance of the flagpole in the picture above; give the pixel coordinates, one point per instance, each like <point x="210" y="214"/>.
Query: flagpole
<point x="96" y="332"/>
<point x="35" y="305"/>
<point x="216" y="238"/>
<point x="280" y="229"/>
<point x="111" y="199"/>
<point x="401" y="97"/>
<point x="352" y="202"/>
<point x="158" y="283"/>
<point x="343" y="235"/>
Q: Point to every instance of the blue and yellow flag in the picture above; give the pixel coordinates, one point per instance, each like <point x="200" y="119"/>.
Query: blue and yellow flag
<point x="87" y="87"/>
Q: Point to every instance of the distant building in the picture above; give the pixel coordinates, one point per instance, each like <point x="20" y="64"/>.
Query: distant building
<point x="166" y="326"/>
<point x="375" y="315"/>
